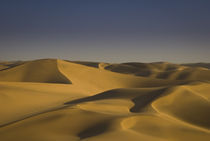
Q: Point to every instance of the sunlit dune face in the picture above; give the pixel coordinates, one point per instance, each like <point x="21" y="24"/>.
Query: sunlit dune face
<point x="114" y="70"/>
<point x="66" y="100"/>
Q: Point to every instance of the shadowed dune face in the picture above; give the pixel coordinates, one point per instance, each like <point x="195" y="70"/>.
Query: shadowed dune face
<point x="136" y="69"/>
<point x="203" y="65"/>
<point x="8" y="65"/>
<point x="51" y="100"/>
<point x="160" y="70"/>
<point x="90" y="64"/>
<point x="141" y="97"/>
<point x="192" y="107"/>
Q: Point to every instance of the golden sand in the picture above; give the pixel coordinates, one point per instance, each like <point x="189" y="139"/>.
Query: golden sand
<point x="57" y="100"/>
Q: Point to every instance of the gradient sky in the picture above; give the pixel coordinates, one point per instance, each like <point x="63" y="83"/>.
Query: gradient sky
<point x="106" y="30"/>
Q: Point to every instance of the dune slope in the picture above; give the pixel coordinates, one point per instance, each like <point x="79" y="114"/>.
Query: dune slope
<point x="34" y="71"/>
<point x="51" y="100"/>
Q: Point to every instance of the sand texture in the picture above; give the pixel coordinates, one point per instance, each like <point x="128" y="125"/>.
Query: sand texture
<point x="61" y="100"/>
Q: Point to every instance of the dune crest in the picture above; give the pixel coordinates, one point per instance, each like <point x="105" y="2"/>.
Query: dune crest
<point x="52" y="99"/>
<point x="45" y="71"/>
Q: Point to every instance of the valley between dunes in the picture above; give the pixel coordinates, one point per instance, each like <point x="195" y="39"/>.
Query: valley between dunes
<point x="60" y="100"/>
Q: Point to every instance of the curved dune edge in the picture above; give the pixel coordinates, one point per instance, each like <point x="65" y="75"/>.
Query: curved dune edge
<point x="97" y="80"/>
<point x="101" y="104"/>
<point x="160" y="70"/>
<point x="42" y="71"/>
<point x="192" y="107"/>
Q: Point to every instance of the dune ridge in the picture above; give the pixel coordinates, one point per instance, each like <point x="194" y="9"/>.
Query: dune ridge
<point x="52" y="99"/>
<point x="45" y="71"/>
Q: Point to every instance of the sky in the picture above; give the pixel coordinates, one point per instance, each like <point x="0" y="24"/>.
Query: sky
<point x="115" y="31"/>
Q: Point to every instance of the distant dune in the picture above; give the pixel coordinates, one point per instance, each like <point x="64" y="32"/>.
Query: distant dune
<point x="61" y="100"/>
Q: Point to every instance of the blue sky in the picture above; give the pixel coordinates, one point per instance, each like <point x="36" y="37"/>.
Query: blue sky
<point x="106" y="30"/>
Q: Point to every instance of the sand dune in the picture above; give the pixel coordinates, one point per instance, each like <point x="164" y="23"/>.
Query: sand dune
<point x="35" y="71"/>
<point x="203" y="65"/>
<point x="51" y="100"/>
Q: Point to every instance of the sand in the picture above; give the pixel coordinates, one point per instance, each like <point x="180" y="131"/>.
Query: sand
<point x="61" y="100"/>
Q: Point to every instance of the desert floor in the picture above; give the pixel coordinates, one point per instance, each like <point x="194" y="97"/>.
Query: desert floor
<point x="60" y="100"/>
